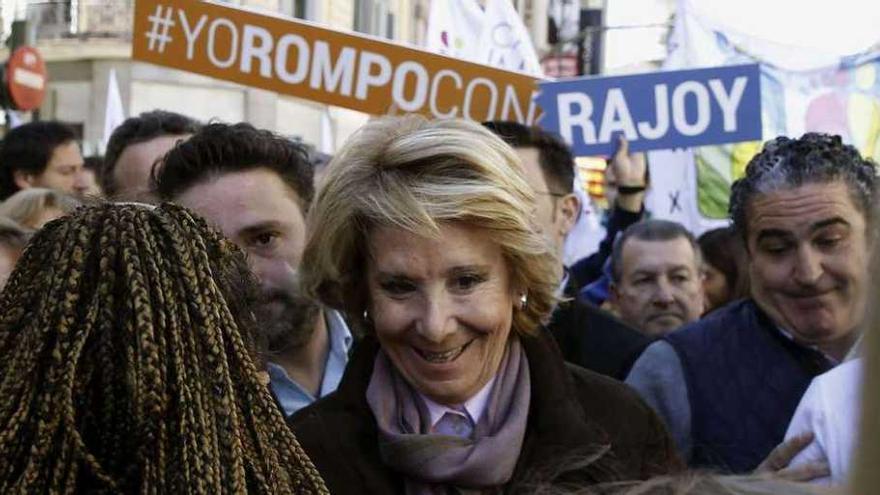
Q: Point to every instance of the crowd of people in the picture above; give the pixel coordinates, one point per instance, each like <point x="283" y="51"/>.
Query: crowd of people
<point x="202" y="311"/>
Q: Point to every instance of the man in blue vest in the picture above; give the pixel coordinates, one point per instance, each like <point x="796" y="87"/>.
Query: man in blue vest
<point x="728" y="385"/>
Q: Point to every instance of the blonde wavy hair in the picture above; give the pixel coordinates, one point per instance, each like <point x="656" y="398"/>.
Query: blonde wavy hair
<point x="416" y="174"/>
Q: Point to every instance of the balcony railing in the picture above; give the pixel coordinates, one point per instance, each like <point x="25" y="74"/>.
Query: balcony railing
<point x="53" y="19"/>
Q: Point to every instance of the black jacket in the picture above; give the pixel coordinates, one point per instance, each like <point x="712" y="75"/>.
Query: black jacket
<point x="593" y="338"/>
<point x="588" y="270"/>
<point x="573" y="412"/>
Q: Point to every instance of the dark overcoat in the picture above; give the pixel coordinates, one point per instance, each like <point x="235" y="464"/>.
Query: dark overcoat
<point x="573" y="414"/>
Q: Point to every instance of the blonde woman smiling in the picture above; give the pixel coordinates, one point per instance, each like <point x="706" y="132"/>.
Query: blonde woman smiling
<point x="423" y="236"/>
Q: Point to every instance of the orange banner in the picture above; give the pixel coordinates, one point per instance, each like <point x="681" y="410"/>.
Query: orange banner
<point x="348" y="70"/>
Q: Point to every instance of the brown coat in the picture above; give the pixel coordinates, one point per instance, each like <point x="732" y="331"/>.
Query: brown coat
<point x="573" y="413"/>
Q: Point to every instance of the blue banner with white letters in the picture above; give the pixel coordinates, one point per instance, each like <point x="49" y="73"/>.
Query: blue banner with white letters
<point x="658" y="110"/>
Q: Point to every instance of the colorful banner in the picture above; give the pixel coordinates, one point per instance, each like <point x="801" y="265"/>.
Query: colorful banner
<point x="692" y="185"/>
<point x="658" y="110"/>
<point x="300" y="59"/>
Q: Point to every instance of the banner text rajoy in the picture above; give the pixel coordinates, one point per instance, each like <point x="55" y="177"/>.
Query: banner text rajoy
<point x="657" y="110"/>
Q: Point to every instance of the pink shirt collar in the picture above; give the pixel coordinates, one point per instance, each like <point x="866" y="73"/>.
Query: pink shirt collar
<point x="474" y="407"/>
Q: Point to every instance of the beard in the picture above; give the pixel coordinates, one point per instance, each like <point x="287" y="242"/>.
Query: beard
<point x="287" y="320"/>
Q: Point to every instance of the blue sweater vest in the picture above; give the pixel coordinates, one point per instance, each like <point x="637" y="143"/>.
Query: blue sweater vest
<point x="745" y="380"/>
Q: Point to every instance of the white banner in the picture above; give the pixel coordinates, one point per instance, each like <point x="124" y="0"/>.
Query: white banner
<point x="454" y="28"/>
<point x="114" y="113"/>
<point x="505" y="41"/>
<point x="496" y="36"/>
<point x="566" y="16"/>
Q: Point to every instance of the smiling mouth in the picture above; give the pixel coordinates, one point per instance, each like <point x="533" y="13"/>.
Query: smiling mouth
<point x="442" y="357"/>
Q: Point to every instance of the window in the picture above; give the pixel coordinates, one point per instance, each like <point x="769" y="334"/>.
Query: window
<point x="295" y="8"/>
<point x="374" y="17"/>
<point x="50" y="19"/>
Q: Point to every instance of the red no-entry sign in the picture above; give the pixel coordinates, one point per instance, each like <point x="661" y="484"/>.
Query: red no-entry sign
<point x="26" y="78"/>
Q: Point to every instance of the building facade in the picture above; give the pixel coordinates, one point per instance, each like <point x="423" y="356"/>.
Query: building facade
<point x="82" y="41"/>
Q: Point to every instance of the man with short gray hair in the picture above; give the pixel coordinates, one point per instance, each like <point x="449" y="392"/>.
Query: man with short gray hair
<point x="728" y="385"/>
<point x="656" y="277"/>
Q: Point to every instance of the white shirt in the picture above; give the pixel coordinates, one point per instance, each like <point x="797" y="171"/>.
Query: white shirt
<point x="475" y="406"/>
<point x="291" y="396"/>
<point x="830" y="409"/>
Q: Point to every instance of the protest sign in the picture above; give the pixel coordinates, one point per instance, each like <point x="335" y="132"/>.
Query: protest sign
<point x="658" y="110"/>
<point x="301" y="59"/>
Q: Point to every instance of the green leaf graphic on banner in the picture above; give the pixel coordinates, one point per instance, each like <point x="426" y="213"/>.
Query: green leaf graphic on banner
<point x="713" y="190"/>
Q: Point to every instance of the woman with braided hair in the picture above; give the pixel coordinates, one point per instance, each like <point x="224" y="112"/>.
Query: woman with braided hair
<point x="128" y="364"/>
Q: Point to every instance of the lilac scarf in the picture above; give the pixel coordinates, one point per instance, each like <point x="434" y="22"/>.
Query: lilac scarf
<point x="432" y="462"/>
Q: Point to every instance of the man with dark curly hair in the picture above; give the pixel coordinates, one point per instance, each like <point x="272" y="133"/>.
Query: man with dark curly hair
<point x="728" y="385"/>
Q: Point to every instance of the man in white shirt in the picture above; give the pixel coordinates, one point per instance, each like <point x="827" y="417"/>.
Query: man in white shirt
<point x="830" y="410"/>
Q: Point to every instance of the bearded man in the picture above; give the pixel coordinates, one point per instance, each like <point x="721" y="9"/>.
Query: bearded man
<point x="256" y="188"/>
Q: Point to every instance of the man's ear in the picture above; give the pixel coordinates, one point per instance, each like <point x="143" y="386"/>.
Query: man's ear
<point x="23" y="179"/>
<point x="613" y="294"/>
<point x="569" y="209"/>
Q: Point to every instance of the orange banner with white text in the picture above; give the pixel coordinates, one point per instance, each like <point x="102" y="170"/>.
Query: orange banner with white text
<point x="299" y="59"/>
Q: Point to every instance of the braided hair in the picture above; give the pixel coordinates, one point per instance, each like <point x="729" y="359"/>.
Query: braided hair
<point x="128" y="364"/>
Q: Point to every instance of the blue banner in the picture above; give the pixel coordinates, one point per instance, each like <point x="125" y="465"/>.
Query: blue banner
<point x="658" y="110"/>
